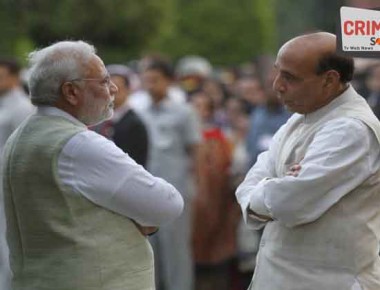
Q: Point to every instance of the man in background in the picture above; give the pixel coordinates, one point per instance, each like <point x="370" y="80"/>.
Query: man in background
<point x="15" y="106"/>
<point x="174" y="135"/>
<point x="125" y="127"/>
<point x="265" y="120"/>
<point x="373" y="84"/>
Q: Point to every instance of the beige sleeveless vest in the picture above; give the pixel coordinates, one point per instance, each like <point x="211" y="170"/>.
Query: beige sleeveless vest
<point x="338" y="251"/>
<point x="59" y="240"/>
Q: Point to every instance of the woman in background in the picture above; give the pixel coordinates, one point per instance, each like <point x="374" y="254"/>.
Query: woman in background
<point x="215" y="211"/>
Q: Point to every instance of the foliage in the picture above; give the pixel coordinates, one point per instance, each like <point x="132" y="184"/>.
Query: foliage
<point x="119" y="28"/>
<point x="296" y="17"/>
<point x="224" y="31"/>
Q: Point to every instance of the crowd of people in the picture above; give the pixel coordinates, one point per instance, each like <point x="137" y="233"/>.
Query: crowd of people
<point x="190" y="125"/>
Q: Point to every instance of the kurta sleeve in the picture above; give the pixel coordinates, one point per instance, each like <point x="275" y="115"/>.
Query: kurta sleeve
<point x="97" y="169"/>
<point x="259" y="174"/>
<point x="341" y="156"/>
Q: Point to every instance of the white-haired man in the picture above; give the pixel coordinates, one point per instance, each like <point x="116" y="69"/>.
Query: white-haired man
<point x="78" y="208"/>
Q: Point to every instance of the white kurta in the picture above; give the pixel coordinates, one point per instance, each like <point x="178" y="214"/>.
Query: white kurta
<point x="326" y="222"/>
<point x="324" y="175"/>
<point x="94" y="167"/>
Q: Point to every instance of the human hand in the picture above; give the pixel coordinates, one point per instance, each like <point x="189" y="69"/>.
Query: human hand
<point x="263" y="218"/>
<point x="294" y="170"/>
<point x="146" y="231"/>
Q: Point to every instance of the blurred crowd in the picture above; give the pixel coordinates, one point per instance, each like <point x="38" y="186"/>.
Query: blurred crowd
<point x="201" y="128"/>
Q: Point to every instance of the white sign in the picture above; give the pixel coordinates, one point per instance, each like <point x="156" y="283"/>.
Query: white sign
<point x="359" y="31"/>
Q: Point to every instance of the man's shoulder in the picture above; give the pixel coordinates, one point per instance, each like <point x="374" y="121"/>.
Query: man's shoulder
<point x="132" y="114"/>
<point x="17" y="100"/>
<point x="345" y="124"/>
<point x="50" y="127"/>
<point x="294" y="121"/>
<point x="185" y="109"/>
<point x="91" y="146"/>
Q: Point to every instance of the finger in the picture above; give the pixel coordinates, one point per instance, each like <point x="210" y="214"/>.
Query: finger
<point x="292" y="173"/>
<point x="295" y="167"/>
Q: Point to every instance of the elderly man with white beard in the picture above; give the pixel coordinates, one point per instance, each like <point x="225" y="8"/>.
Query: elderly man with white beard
<point x="78" y="208"/>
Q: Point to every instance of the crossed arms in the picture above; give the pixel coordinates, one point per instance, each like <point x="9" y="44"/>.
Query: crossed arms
<point x="336" y="162"/>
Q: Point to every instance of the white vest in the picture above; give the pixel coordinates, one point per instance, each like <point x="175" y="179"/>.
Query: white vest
<point x="338" y="251"/>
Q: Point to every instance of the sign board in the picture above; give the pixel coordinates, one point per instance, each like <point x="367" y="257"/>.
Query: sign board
<point x="358" y="32"/>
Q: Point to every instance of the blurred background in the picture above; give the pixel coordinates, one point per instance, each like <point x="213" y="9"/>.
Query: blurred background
<point x="225" y="32"/>
<point x="213" y="56"/>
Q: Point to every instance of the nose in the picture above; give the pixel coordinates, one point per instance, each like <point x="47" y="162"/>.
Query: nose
<point x="113" y="88"/>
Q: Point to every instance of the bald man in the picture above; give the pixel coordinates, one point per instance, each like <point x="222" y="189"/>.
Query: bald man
<point x="316" y="191"/>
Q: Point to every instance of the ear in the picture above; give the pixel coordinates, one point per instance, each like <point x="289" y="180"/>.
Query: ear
<point x="332" y="78"/>
<point x="70" y="93"/>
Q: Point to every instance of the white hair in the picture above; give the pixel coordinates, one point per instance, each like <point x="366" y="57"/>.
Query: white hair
<point x="53" y="65"/>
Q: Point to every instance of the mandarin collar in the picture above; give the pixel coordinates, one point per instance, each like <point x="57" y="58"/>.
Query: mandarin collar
<point x="54" y="111"/>
<point x="348" y="94"/>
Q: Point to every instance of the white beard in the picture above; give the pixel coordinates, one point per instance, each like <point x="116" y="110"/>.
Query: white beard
<point x="94" y="111"/>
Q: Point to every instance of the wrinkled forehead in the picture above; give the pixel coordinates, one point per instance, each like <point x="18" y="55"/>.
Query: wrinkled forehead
<point x="297" y="58"/>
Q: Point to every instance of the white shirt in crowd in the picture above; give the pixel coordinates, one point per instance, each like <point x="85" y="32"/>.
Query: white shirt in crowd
<point x="141" y="100"/>
<point x="14" y="108"/>
<point x="342" y="143"/>
<point x="94" y="167"/>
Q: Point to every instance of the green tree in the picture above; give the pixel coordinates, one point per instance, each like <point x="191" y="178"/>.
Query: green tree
<point x="225" y="32"/>
<point x="14" y="40"/>
<point x="296" y="17"/>
<point x="120" y="29"/>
